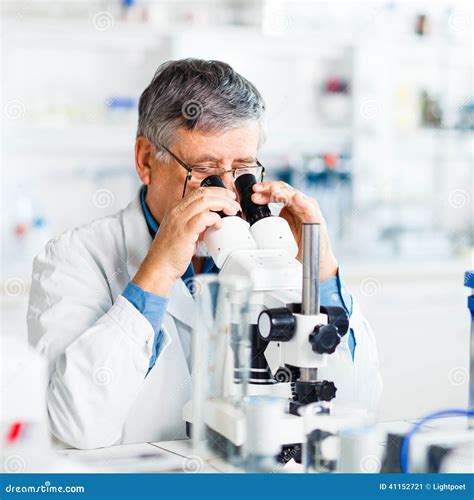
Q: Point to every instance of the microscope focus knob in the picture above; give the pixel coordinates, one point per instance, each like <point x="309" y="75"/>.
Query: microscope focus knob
<point x="324" y="339"/>
<point x="327" y="391"/>
<point x="276" y="325"/>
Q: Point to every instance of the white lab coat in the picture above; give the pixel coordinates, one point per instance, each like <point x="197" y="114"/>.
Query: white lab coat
<point x="99" y="345"/>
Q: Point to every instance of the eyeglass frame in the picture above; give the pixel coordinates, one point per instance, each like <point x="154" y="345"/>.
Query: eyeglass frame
<point x="189" y="169"/>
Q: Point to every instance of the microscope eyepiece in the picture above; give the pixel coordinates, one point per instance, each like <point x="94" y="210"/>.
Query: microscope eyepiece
<point x="253" y="212"/>
<point x="214" y="181"/>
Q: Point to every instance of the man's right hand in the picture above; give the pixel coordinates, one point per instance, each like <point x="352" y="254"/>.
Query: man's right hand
<point x="180" y="230"/>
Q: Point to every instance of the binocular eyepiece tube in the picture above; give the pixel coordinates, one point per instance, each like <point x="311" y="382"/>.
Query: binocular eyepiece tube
<point x="244" y="185"/>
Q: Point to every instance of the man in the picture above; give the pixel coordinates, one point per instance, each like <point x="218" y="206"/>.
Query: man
<point x="110" y="306"/>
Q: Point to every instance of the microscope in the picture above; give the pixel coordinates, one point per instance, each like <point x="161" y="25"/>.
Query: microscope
<point x="291" y="334"/>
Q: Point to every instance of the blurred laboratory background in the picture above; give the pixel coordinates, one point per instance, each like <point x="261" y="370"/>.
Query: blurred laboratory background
<point x="370" y="110"/>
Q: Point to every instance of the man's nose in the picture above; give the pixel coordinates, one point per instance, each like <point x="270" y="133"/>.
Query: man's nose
<point x="228" y="180"/>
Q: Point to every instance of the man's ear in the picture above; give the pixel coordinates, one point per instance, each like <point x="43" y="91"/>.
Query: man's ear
<point x="144" y="158"/>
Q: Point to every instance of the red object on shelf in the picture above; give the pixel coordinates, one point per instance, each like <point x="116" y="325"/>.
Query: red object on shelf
<point x="336" y="85"/>
<point x="15" y="431"/>
<point x="21" y="229"/>
<point x="330" y="160"/>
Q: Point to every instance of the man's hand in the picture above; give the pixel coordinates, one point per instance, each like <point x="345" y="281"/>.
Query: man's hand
<point x="298" y="208"/>
<point x="175" y="243"/>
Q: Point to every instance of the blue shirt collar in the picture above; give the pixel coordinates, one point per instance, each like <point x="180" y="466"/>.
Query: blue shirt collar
<point x="150" y="220"/>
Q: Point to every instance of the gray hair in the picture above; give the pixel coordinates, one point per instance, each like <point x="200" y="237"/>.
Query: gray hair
<point x="209" y="96"/>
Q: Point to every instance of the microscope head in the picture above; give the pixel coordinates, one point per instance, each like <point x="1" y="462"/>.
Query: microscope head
<point x="233" y="235"/>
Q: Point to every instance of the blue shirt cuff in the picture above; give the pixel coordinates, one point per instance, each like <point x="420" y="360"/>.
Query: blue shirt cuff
<point x="153" y="307"/>
<point x="334" y="293"/>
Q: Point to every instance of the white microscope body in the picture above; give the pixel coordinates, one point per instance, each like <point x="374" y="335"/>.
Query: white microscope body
<point x="290" y="339"/>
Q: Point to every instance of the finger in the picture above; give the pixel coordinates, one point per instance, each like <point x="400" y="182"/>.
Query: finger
<point x="261" y="198"/>
<point x="276" y="192"/>
<point x="262" y="187"/>
<point x="306" y="208"/>
<point x="205" y="192"/>
<point x="210" y="191"/>
<point x="210" y="203"/>
<point x="200" y="222"/>
<point x="219" y="191"/>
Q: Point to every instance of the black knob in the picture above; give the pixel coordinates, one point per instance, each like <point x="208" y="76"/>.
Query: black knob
<point x="338" y="317"/>
<point x="276" y="324"/>
<point x="327" y="390"/>
<point x="324" y="339"/>
<point x="311" y="391"/>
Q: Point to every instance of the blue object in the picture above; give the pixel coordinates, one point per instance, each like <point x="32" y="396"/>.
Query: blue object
<point x="469" y="282"/>
<point x="469" y="279"/>
<point x="285" y="175"/>
<point x="39" y="222"/>
<point x="405" y="447"/>
<point x="121" y="102"/>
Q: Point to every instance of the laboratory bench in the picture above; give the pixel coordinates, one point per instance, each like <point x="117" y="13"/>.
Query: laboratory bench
<point x="179" y="457"/>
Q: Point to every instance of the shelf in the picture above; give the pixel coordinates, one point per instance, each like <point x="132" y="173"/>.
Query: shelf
<point x="82" y="33"/>
<point x="87" y="139"/>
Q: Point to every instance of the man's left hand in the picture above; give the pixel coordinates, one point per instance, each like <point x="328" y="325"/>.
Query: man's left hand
<point x="298" y="209"/>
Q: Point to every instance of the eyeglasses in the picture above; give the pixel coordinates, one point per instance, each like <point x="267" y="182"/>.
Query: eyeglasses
<point x="198" y="173"/>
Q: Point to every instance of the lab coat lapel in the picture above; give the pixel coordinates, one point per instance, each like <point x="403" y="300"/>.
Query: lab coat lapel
<point x="138" y="240"/>
<point x="137" y="237"/>
<point x="181" y="304"/>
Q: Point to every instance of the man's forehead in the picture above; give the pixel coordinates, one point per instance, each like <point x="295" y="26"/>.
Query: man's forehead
<point x="221" y="158"/>
<point x="235" y="145"/>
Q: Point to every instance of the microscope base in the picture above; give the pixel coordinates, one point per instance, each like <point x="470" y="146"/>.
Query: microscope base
<point x="225" y="429"/>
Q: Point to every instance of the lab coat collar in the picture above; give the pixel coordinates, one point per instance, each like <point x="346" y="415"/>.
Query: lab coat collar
<point x="137" y="241"/>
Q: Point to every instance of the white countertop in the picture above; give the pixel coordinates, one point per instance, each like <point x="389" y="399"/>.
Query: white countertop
<point x="179" y="456"/>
